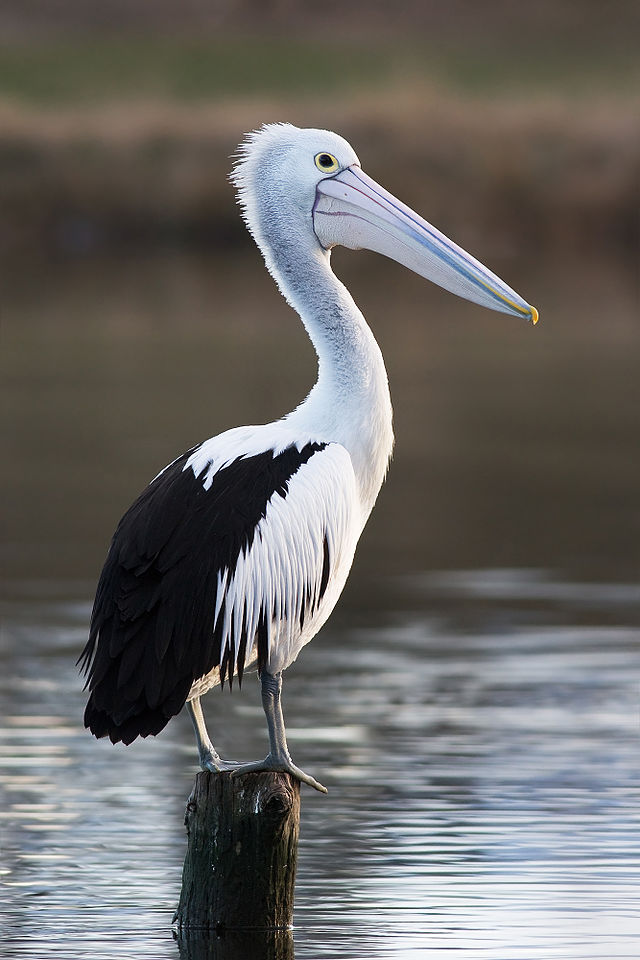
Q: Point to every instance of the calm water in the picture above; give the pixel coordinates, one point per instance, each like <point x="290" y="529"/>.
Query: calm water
<point x="473" y="703"/>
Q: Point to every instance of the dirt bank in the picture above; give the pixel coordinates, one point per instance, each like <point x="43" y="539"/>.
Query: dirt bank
<point x="544" y="173"/>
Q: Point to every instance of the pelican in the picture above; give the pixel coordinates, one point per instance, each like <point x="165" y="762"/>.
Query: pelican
<point x="237" y="552"/>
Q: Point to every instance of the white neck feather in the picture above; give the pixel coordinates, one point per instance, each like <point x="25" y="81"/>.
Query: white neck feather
<point x="350" y="402"/>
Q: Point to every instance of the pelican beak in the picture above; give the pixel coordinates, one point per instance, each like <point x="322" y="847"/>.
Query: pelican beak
<point x="352" y="210"/>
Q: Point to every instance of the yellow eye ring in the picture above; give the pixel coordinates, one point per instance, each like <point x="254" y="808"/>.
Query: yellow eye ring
<point x="326" y="162"/>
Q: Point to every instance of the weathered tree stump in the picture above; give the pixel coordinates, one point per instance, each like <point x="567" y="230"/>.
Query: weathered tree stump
<point x="242" y="848"/>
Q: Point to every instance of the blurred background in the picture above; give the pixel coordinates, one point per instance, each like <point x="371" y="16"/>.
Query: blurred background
<point x="137" y="315"/>
<point x="500" y="565"/>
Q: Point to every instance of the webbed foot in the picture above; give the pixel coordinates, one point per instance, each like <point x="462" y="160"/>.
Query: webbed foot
<point x="210" y="760"/>
<point x="282" y="763"/>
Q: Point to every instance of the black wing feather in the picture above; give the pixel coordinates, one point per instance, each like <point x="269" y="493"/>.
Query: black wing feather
<point x="152" y="628"/>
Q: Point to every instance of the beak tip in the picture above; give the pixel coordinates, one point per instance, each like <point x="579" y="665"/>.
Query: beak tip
<point x="534" y="316"/>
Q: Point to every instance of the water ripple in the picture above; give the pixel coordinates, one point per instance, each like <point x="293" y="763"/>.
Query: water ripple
<point x="483" y="789"/>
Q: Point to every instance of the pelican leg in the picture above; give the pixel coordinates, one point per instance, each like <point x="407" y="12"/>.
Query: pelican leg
<point x="207" y="754"/>
<point x="278" y="757"/>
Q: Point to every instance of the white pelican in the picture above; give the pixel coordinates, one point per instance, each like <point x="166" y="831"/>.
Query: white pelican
<point x="237" y="552"/>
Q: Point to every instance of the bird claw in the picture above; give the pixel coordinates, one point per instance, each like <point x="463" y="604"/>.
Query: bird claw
<point x="283" y="765"/>
<point x="209" y="760"/>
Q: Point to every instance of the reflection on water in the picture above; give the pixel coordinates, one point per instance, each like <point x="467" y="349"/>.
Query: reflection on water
<point x="472" y="704"/>
<point x="483" y="792"/>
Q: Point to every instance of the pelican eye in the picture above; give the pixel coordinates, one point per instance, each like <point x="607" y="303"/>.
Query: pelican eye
<point x="326" y="162"/>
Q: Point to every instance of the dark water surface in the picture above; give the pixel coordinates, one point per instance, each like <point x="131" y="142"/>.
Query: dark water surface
<point x="472" y="705"/>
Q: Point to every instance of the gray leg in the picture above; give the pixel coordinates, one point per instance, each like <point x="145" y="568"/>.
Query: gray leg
<point x="278" y="757"/>
<point x="209" y="759"/>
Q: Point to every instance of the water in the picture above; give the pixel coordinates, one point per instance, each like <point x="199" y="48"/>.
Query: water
<point x="471" y="705"/>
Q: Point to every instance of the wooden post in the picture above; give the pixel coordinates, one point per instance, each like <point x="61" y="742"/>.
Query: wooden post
<point x="242" y="849"/>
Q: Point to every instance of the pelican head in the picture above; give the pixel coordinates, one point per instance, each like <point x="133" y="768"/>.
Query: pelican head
<point x="312" y="182"/>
